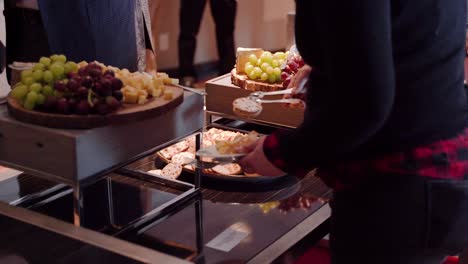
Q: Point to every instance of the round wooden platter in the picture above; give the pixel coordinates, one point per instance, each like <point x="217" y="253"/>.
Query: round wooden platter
<point x="127" y="113"/>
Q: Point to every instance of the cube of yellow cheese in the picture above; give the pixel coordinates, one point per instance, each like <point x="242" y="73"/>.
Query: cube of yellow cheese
<point x="142" y="99"/>
<point x="243" y="57"/>
<point x="168" y="95"/>
<point x="130" y="95"/>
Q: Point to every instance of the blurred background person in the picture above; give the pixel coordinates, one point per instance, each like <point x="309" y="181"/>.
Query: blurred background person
<point x="154" y="6"/>
<point x="224" y="16"/>
<point x="109" y="31"/>
<point x="26" y="39"/>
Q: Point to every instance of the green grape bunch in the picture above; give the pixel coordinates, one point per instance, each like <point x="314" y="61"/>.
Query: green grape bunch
<point x="265" y="68"/>
<point x="37" y="83"/>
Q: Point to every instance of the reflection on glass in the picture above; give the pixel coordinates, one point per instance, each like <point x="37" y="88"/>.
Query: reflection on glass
<point x="295" y="202"/>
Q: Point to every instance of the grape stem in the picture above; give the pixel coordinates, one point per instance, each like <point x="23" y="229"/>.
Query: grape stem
<point x="90" y="98"/>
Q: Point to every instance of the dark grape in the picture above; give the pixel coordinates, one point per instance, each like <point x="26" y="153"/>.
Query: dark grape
<point x="102" y="108"/>
<point x="87" y="82"/>
<point x="77" y="78"/>
<point x="93" y="65"/>
<point x="62" y="106"/>
<point x="293" y="66"/>
<point x="73" y="85"/>
<point x="109" y="73"/>
<point x="299" y="61"/>
<point x="72" y="102"/>
<point x="102" y="89"/>
<point x="117" y="84"/>
<point x="72" y="75"/>
<point x="94" y="72"/>
<point x="95" y="101"/>
<point x="284" y="75"/>
<point x="287" y="82"/>
<point x="97" y="86"/>
<point x="50" y="103"/>
<point x="83" y="71"/>
<point x="82" y="92"/>
<point x="288" y="69"/>
<point x="106" y="83"/>
<point x="83" y="107"/>
<point x="112" y="102"/>
<point x="118" y="95"/>
<point x="60" y="86"/>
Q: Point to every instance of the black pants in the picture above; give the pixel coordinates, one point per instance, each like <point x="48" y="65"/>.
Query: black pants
<point x="399" y="219"/>
<point x="224" y="15"/>
<point x="26" y="39"/>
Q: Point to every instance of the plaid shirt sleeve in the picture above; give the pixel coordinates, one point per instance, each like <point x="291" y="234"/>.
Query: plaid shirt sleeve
<point x="272" y="149"/>
<point x="442" y="159"/>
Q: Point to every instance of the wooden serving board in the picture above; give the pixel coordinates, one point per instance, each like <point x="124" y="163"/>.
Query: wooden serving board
<point x="127" y="113"/>
<point x="221" y="93"/>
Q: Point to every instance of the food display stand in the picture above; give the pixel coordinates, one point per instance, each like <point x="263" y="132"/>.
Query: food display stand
<point x="240" y="219"/>
<point x="221" y="93"/>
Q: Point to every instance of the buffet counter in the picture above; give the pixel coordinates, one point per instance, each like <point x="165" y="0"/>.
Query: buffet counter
<point x="222" y="224"/>
<point x="128" y="214"/>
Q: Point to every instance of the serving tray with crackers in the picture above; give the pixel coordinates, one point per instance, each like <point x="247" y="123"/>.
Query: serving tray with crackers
<point x="177" y="161"/>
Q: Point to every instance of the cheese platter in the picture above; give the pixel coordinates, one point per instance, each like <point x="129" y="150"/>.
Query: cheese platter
<point x="58" y="93"/>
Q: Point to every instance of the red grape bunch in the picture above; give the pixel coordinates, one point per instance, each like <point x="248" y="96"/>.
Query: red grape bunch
<point x="293" y="64"/>
<point x="91" y="90"/>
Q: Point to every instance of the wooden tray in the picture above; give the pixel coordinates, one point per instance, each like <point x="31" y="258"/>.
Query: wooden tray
<point x="128" y="112"/>
<point x="221" y="93"/>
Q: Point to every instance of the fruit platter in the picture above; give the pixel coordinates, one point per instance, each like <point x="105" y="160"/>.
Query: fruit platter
<point x="64" y="94"/>
<point x="260" y="70"/>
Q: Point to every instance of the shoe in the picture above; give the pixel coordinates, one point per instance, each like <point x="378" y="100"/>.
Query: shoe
<point x="188" y="81"/>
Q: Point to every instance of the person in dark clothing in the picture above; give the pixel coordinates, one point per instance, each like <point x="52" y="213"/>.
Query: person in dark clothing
<point x="26" y="39"/>
<point x="385" y="124"/>
<point x="2" y="57"/>
<point x="224" y="15"/>
<point x="109" y="31"/>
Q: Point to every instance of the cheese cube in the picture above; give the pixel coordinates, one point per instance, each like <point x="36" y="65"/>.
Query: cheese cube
<point x="243" y="57"/>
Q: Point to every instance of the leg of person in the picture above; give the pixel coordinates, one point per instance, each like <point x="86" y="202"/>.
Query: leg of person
<point x="154" y="21"/>
<point x="68" y="29"/>
<point x="383" y="222"/>
<point x="153" y="32"/>
<point x="224" y="14"/>
<point x="151" y="66"/>
<point x="117" y="28"/>
<point x="191" y="12"/>
<point x="26" y="38"/>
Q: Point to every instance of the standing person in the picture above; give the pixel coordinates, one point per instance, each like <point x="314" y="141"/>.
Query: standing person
<point x="26" y="39"/>
<point x="385" y="124"/>
<point x="224" y="15"/>
<point x="152" y="23"/>
<point x="112" y="32"/>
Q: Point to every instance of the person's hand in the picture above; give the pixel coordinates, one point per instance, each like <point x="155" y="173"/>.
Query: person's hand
<point x="257" y="162"/>
<point x="297" y="83"/>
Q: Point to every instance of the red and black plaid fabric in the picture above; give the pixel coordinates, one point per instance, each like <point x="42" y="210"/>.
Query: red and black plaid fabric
<point x="443" y="159"/>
